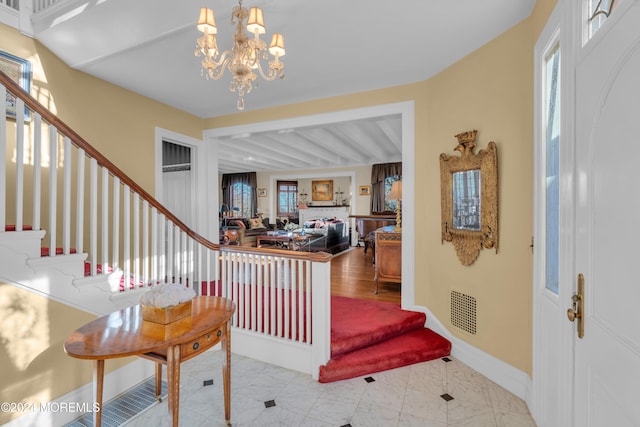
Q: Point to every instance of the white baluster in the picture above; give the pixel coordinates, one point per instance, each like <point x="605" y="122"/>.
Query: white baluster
<point x="170" y="250"/>
<point x="162" y="248"/>
<point x="80" y="201"/>
<point x="155" y="273"/>
<point x="272" y="293"/>
<point x="53" y="189"/>
<point x="115" y="258"/>
<point x="37" y="169"/>
<point x="93" y="216"/>
<point x="136" y="239"/>
<point x="287" y="291"/>
<point x="255" y="260"/>
<point x="126" y="240"/>
<point x="145" y="242"/>
<point x="66" y="196"/>
<point x="19" y="162"/>
<point x="105" y="221"/>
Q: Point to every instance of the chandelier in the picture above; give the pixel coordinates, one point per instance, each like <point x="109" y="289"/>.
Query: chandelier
<point x="246" y="54"/>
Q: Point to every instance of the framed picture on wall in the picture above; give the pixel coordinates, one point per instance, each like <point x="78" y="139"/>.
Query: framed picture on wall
<point x="322" y="190"/>
<point x="262" y="192"/>
<point x="19" y="70"/>
<point x="365" y="190"/>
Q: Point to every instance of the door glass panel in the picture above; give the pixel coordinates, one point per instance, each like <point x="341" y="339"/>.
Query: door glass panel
<point x="599" y="11"/>
<point x="552" y="170"/>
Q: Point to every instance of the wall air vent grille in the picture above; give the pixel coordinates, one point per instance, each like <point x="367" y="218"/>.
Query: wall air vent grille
<point x="463" y="312"/>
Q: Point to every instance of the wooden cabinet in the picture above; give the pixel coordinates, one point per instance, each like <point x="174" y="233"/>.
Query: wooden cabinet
<point x="388" y="255"/>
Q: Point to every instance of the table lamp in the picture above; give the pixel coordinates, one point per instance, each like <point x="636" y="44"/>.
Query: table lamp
<point x="396" y="194"/>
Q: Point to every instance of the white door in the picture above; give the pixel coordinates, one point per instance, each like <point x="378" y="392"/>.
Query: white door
<point x="177" y="180"/>
<point x="607" y="359"/>
<point x="177" y="188"/>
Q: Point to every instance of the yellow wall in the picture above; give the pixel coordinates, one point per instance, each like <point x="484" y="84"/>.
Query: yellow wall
<point x="490" y="90"/>
<point x="340" y="177"/>
<point x="121" y="125"/>
<point x="35" y="368"/>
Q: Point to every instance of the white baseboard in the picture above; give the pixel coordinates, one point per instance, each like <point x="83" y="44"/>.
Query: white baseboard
<point x="293" y="356"/>
<point x="501" y="373"/>
<point x="115" y="383"/>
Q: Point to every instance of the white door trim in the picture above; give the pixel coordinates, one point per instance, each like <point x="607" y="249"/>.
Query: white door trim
<point x="197" y="166"/>
<point x="407" y="111"/>
<point x="552" y="332"/>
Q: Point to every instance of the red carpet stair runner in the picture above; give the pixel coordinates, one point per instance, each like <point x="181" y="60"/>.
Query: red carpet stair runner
<point x="369" y="336"/>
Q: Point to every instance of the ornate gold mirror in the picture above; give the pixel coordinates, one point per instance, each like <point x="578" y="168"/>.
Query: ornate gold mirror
<point x="469" y="198"/>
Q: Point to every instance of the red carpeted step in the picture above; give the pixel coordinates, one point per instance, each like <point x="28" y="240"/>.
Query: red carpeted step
<point x="358" y="323"/>
<point x="416" y="346"/>
<point x="12" y="227"/>
<point x="45" y="251"/>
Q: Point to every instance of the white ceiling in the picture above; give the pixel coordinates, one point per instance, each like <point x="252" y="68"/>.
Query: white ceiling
<point x="333" y="47"/>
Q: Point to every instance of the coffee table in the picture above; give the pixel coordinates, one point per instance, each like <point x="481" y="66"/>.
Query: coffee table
<point x="124" y="333"/>
<point x="283" y="239"/>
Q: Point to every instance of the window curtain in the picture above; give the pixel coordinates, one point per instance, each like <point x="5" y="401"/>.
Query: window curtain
<point x="248" y="178"/>
<point x="379" y="173"/>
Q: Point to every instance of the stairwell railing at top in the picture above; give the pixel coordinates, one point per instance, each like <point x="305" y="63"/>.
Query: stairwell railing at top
<point x="126" y="232"/>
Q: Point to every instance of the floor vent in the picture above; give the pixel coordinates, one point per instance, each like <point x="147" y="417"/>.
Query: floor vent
<point x="463" y="312"/>
<point x="125" y="406"/>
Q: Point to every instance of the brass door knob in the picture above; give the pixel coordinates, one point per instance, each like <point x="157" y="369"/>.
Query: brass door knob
<point x="572" y="315"/>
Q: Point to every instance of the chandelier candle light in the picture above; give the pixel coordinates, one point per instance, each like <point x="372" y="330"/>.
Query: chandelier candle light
<point x="246" y="54"/>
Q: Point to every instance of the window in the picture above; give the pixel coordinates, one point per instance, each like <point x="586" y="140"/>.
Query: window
<point x="599" y="11"/>
<point x="389" y="205"/>
<point x="552" y="167"/>
<point x="241" y="200"/>
<point x="383" y="175"/>
<point x="287" y="198"/>
<point x="239" y="193"/>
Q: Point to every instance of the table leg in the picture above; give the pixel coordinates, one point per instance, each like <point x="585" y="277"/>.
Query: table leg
<point x="226" y="371"/>
<point x="173" y="378"/>
<point x="98" y="378"/>
<point x="159" y="382"/>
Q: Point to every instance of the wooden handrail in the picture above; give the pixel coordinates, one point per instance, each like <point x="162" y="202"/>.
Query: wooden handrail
<point x="79" y="142"/>
<point x="321" y="257"/>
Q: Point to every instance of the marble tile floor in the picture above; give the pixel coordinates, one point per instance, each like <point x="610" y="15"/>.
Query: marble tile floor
<point x="437" y="393"/>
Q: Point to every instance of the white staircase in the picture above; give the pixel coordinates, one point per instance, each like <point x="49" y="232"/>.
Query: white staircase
<point x="109" y="240"/>
<point x="59" y="277"/>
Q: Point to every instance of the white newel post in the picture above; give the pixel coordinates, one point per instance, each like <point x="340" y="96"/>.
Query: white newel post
<point x="321" y="317"/>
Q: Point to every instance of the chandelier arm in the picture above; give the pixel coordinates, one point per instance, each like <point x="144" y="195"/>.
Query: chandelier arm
<point x="273" y="73"/>
<point x="217" y="69"/>
<point x="269" y="77"/>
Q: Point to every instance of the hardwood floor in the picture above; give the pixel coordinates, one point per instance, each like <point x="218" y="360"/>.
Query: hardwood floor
<point x="352" y="275"/>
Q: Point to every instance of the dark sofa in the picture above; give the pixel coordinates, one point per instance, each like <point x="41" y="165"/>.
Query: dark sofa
<point x="327" y="235"/>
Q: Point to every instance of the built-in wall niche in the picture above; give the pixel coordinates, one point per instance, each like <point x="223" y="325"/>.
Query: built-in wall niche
<point x="338" y="187"/>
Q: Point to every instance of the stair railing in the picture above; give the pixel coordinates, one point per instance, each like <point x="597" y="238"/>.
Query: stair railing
<point x="127" y="228"/>
<point x="88" y="205"/>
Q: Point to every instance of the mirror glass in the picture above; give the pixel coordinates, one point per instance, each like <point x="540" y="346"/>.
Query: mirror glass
<point x="466" y="200"/>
